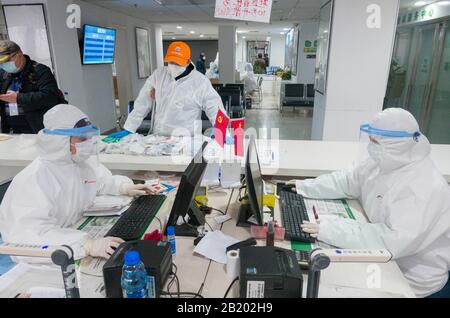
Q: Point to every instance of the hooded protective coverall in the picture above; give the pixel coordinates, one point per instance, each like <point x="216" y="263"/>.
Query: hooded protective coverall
<point x="406" y="200"/>
<point x="249" y="78"/>
<point x="49" y="196"/>
<point x="179" y="103"/>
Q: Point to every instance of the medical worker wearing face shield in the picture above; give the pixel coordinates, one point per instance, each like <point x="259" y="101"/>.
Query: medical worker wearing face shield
<point x="48" y="197"/>
<point x="181" y="94"/>
<point x="406" y="200"/>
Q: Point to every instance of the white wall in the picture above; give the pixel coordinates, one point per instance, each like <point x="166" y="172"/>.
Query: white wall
<point x="277" y="50"/>
<point x="89" y="87"/>
<point x="306" y="67"/>
<point x="358" y="69"/>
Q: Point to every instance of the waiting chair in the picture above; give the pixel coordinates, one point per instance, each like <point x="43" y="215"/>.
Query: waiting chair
<point x="297" y="95"/>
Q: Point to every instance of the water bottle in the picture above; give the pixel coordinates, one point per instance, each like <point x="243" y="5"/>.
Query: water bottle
<point x="134" y="276"/>
<point x="171" y="239"/>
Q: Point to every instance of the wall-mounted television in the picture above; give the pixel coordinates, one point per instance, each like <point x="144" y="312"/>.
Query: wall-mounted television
<point x="99" y="45"/>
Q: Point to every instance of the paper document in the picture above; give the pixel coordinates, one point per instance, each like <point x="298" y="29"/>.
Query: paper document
<point x="92" y="266"/>
<point x="46" y="292"/>
<point x="106" y="212"/>
<point x="97" y="227"/>
<point x="214" y="246"/>
<point x="105" y="202"/>
<point x="328" y="207"/>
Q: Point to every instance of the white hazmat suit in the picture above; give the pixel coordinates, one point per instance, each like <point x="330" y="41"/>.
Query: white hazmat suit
<point x="406" y="200"/>
<point x="179" y="103"/>
<point x="49" y="196"/>
<point x="249" y="78"/>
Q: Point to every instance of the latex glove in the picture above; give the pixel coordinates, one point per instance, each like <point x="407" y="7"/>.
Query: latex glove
<point x="103" y="247"/>
<point x="311" y="228"/>
<point x="135" y="190"/>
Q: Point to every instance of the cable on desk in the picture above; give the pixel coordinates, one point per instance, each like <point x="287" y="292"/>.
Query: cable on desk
<point x="173" y="280"/>
<point x="210" y="262"/>
<point x="229" y="287"/>
<point x="208" y="207"/>
<point x="160" y="224"/>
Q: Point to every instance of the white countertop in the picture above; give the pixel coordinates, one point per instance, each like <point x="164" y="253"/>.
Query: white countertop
<point x="292" y="159"/>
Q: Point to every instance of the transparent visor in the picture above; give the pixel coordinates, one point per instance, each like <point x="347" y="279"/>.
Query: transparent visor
<point x="86" y="131"/>
<point x="372" y="140"/>
<point x="84" y="142"/>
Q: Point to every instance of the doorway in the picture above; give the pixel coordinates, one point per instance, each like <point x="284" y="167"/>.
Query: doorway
<point x="419" y="77"/>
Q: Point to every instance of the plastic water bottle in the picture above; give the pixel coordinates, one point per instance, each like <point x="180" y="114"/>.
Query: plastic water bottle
<point x="134" y="277"/>
<point x="171" y="239"/>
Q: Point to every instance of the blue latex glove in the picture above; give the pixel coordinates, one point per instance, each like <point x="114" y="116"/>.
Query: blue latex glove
<point x="117" y="136"/>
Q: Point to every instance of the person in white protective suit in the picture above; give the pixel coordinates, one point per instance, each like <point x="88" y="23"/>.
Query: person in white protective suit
<point x="181" y="94"/>
<point x="249" y="79"/>
<point x="47" y="198"/>
<point x="406" y="200"/>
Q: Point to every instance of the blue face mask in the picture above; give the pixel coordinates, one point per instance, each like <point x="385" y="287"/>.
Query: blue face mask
<point x="9" y="67"/>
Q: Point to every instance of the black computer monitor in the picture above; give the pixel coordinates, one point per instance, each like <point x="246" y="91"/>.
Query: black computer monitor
<point x="255" y="184"/>
<point x="185" y="200"/>
<point x="4" y="185"/>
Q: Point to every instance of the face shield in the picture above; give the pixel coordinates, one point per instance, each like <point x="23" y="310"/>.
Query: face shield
<point x="387" y="148"/>
<point x="84" y="141"/>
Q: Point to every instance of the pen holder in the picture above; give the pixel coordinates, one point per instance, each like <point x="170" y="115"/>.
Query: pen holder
<point x="260" y="232"/>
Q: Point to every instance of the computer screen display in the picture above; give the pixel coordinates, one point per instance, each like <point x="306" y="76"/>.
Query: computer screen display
<point x="255" y="185"/>
<point x="99" y="45"/>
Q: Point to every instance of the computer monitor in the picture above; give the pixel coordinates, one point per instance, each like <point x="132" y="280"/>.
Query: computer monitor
<point x="4" y="185"/>
<point x="99" y="45"/>
<point x="254" y="180"/>
<point x="185" y="200"/>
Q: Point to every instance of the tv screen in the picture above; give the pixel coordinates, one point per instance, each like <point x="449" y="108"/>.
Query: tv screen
<point x="99" y="45"/>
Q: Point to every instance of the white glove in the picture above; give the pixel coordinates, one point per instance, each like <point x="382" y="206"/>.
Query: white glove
<point x="103" y="247"/>
<point x="311" y="228"/>
<point x="135" y="190"/>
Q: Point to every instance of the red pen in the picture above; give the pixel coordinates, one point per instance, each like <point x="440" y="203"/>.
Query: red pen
<point x="316" y="216"/>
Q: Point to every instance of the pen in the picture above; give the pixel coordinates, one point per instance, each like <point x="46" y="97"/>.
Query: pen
<point x="316" y="216"/>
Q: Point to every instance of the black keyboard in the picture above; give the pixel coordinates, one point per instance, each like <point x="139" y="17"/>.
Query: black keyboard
<point x="293" y="213"/>
<point x="134" y="222"/>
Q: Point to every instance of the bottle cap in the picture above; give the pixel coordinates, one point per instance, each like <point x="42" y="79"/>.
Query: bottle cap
<point x="170" y="230"/>
<point x="132" y="258"/>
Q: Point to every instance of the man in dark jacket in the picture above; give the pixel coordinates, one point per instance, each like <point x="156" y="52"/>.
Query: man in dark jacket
<point x="27" y="91"/>
<point x="201" y="66"/>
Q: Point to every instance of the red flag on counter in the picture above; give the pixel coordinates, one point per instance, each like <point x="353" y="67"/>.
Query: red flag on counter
<point x="238" y="126"/>
<point x="220" y="128"/>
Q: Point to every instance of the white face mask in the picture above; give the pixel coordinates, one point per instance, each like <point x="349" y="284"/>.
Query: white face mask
<point x="375" y="152"/>
<point x="176" y="70"/>
<point x="85" y="150"/>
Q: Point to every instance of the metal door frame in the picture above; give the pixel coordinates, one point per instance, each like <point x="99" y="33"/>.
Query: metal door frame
<point x="417" y="31"/>
<point x="434" y="75"/>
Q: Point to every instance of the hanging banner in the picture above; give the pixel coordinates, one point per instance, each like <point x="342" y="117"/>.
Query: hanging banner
<point x="247" y="10"/>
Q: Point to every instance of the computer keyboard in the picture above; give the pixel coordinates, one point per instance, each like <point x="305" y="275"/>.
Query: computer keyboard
<point x="293" y="213"/>
<point x="134" y="222"/>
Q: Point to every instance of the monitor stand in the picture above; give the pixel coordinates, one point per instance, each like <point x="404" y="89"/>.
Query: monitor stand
<point x="244" y="214"/>
<point x="196" y="219"/>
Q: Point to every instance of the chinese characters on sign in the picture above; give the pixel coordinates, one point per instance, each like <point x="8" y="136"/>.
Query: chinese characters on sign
<point x="247" y="10"/>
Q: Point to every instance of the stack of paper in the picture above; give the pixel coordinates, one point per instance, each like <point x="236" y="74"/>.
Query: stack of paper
<point x="214" y="246"/>
<point x="108" y="205"/>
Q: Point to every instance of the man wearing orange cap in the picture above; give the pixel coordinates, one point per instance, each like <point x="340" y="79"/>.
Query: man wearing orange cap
<point x="181" y="94"/>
